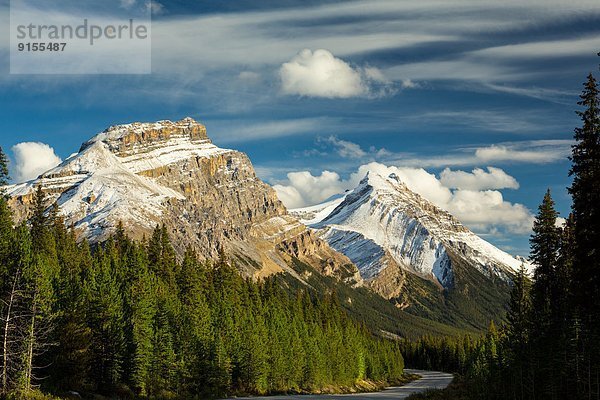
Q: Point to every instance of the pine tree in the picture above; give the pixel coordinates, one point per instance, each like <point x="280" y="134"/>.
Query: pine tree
<point x="585" y="192"/>
<point x="105" y="318"/>
<point x="562" y="311"/>
<point x="518" y="333"/>
<point x="4" y="175"/>
<point x="545" y="243"/>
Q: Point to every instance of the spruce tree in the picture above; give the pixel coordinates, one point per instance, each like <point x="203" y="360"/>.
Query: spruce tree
<point x="562" y="311"/>
<point x="105" y="317"/>
<point x="585" y="191"/>
<point x="518" y="333"/>
<point x="4" y="175"/>
<point x="545" y="242"/>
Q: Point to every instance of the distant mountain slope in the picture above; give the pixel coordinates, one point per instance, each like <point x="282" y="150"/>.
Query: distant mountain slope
<point x="400" y="241"/>
<point x="144" y="174"/>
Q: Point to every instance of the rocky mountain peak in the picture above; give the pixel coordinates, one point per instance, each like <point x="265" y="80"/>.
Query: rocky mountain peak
<point x="125" y="138"/>
<point x="379" y="182"/>
<point x="385" y="228"/>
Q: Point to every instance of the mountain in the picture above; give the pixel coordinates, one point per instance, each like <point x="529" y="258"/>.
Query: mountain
<point x="414" y="253"/>
<point x="209" y="198"/>
<point x="432" y="273"/>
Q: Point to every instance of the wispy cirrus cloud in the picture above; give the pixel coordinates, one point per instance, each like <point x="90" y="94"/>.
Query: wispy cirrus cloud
<point x="516" y="152"/>
<point x="240" y="38"/>
<point x="576" y="46"/>
<point x="236" y="131"/>
<point x="486" y="120"/>
<point x="522" y="152"/>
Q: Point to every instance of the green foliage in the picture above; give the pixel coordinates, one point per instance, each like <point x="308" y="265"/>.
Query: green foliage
<point x="129" y="319"/>
<point x="4" y="175"/>
<point x="585" y="191"/>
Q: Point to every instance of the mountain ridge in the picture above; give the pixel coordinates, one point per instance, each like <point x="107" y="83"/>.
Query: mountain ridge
<point x="409" y="237"/>
<point x="209" y="198"/>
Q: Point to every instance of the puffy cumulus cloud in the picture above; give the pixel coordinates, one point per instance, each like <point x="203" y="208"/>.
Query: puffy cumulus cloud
<point x="32" y="159"/>
<point x="321" y="74"/>
<point x="303" y="188"/>
<point x="484" y="211"/>
<point x="478" y="179"/>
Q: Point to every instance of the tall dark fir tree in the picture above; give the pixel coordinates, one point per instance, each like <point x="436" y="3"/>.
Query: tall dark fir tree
<point x="545" y="243"/>
<point x="585" y="191"/>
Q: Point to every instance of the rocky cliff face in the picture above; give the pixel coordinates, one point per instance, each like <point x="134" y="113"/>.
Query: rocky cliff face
<point x="144" y="174"/>
<point x="388" y="231"/>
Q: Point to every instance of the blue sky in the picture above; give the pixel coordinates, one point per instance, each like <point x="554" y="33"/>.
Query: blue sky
<point x="451" y="87"/>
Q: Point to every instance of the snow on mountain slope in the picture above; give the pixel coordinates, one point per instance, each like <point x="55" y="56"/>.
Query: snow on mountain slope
<point x="381" y="214"/>
<point x="96" y="188"/>
<point x="313" y="214"/>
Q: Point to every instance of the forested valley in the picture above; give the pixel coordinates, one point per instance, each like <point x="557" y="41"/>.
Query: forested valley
<point x="128" y="319"/>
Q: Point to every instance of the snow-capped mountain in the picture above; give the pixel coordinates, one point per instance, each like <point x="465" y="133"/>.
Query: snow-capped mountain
<point x="144" y="174"/>
<point x="386" y="229"/>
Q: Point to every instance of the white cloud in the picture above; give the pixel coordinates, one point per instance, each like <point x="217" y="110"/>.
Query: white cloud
<point x="305" y="188"/>
<point x="345" y="148"/>
<point x="235" y="131"/>
<point x="409" y="84"/>
<point x="33" y="159"/>
<point x="491" y="120"/>
<point x="484" y="211"/>
<point x="266" y="38"/>
<point x="320" y="74"/>
<point x="552" y="48"/>
<point x="553" y="95"/>
<point x="527" y="151"/>
<point x="546" y="152"/>
<point x="478" y="179"/>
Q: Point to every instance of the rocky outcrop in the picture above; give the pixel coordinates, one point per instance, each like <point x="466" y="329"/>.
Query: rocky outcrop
<point x="144" y="174"/>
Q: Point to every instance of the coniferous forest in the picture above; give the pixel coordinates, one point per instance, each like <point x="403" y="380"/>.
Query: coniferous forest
<point x="129" y="319"/>
<point x="549" y="346"/>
